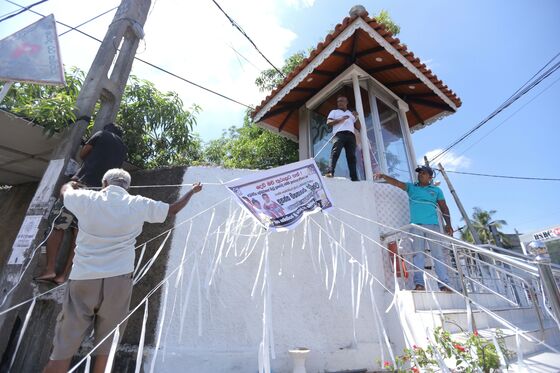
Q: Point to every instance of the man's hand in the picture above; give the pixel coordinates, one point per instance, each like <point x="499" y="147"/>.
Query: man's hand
<point x="378" y="175"/>
<point x="197" y="187"/>
<point x="355" y="114"/>
<point x="449" y="230"/>
<point x="177" y="206"/>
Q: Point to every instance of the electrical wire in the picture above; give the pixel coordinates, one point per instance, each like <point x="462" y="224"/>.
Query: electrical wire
<point x="240" y="29"/>
<point x="520" y="93"/>
<point x="24" y="9"/>
<point x="89" y="20"/>
<point x="508" y="118"/>
<point x="505" y="176"/>
<point x="146" y="62"/>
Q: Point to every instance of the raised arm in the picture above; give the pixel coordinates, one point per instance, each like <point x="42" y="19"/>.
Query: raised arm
<point x="391" y="180"/>
<point x="84" y="152"/>
<point x="68" y="186"/>
<point x="177" y="206"/>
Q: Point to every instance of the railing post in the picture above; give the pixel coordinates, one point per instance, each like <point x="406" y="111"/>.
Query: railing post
<point x="539" y="252"/>
<point x="464" y="290"/>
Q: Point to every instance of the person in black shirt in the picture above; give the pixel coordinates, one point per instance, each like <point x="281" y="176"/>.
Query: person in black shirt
<point x="103" y="151"/>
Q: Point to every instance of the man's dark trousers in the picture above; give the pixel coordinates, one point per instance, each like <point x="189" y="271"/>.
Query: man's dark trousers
<point x="344" y="140"/>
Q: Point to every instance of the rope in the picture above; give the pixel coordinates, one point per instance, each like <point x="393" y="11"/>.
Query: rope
<point x="153" y="238"/>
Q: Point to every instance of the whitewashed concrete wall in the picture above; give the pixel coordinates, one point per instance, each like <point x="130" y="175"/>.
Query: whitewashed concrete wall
<point x="229" y="320"/>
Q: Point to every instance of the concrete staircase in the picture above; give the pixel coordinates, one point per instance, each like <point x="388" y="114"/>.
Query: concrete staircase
<point x="425" y="311"/>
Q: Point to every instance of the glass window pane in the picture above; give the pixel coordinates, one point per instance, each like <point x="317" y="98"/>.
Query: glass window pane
<point x="395" y="148"/>
<point x="320" y="135"/>
<point x="373" y="153"/>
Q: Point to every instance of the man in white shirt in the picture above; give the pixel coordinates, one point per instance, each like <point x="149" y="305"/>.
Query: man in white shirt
<point x="343" y="122"/>
<point x="100" y="284"/>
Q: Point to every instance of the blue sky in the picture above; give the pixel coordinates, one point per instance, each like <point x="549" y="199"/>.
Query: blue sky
<point x="484" y="50"/>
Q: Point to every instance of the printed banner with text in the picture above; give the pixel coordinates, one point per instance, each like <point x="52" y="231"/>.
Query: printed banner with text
<point x="280" y="198"/>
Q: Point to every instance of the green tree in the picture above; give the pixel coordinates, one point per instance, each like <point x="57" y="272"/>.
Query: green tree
<point x="250" y="147"/>
<point x="385" y="19"/>
<point x="480" y="220"/>
<point x="51" y="107"/>
<point x="270" y="78"/>
<point x="157" y="129"/>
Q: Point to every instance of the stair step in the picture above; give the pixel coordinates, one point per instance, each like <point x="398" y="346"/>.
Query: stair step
<point x="542" y="362"/>
<point x="424" y="301"/>
<point x="457" y="319"/>
<point x="531" y="329"/>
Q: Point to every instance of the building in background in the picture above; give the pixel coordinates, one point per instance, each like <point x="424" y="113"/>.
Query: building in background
<point x="550" y="236"/>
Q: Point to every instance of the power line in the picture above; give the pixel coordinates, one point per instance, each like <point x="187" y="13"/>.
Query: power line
<point x="508" y="118"/>
<point x="145" y="62"/>
<point x="24" y="9"/>
<point x="504" y="176"/>
<point x="520" y="92"/>
<point x="238" y="27"/>
<point x="245" y="58"/>
<point x="89" y="20"/>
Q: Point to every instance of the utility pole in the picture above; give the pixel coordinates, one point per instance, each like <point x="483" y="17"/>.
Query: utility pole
<point x="460" y="206"/>
<point x="104" y="83"/>
<point x="495" y="235"/>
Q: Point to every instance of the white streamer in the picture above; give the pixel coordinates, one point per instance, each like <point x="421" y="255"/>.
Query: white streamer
<point x="160" y="329"/>
<point x="87" y="369"/>
<point x="140" y="353"/>
<point x="22" y="332"/>
<point x="112" y="351"/>
<point x="151" y="262"/>
<point x="139" y="260"/>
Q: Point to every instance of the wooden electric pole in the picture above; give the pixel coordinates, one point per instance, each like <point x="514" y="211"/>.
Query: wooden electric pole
<point x="464" y="214"/>
<point x="102" y="85"/>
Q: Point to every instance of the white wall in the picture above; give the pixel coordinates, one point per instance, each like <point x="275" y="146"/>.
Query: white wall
<point x="302" y="314"/>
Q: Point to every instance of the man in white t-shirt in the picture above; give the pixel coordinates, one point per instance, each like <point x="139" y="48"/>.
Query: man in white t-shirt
<point x="344" y="122"/>
<point x="100" y="284"/>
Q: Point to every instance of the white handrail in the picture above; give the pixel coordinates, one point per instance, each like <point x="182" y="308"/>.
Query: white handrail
<point x="480" y="250"/>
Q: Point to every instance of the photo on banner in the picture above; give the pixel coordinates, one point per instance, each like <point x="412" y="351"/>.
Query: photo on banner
<point x="280" y="198"/>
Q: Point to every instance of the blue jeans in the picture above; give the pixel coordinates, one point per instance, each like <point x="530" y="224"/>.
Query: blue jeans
<point x="419" y="245"/>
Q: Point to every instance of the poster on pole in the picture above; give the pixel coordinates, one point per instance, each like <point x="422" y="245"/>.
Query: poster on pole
<point x="32" y="55"/>
<point x="41" y="200"/>
<point x="24" y="238"/>
<point x="280" y="198"/>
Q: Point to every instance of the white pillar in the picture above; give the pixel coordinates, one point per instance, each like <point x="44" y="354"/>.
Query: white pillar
<point x="363" y="132"/>
<point x="378" y="133"/>
<point x="403" y="108"/>
<point x="304" y="144"/>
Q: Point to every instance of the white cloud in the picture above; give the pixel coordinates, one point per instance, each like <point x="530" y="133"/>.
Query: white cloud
<point x="301" y="3"/>
<point x="450" y="161"/>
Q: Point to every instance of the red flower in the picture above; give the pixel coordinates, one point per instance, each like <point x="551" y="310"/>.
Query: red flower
<point x="459" y="347"/>
<point x="386" y="364"/>
<point x="415" y="370"/>
<point x="415" y="347"/>
<point x="475" y="333"/>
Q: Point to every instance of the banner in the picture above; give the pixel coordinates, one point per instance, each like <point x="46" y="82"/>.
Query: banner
<point x="281" y="197"/>
<point x="32" y="55"/>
